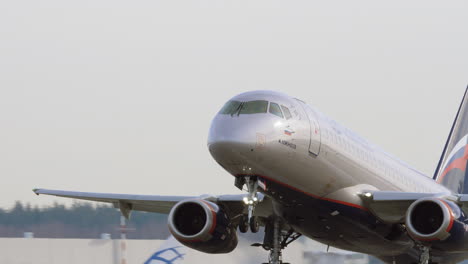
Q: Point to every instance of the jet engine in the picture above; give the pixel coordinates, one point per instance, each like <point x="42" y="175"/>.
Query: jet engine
<point x="203" y="226"/>
<point x="435" y="220"/>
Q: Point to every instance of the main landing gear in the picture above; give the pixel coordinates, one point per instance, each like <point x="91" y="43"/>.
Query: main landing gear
<point x="425" y="257"/>
<point x="275" y="239"/>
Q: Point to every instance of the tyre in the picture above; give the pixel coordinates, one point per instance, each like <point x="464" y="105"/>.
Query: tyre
<point x="243" y="224"/>
<point x="254" y="224"/>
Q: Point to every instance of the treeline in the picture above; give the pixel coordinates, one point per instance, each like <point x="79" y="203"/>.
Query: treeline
<point x="81" y="220"/>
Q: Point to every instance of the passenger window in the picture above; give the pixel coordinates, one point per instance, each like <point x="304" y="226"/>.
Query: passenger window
<point x="230" y="108"/>
<point x="286" y="112"/>
<point x="254" y="107"/>
<point x="275" y="109"/>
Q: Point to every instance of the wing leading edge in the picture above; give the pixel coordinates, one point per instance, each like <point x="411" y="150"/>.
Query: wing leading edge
<point x="147" y="203"/>
<point x="126" y="202"/>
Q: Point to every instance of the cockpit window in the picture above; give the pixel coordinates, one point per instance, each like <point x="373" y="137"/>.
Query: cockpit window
<point x="254" y="107"/>
<point x="286" y="112"/>
<point x="275" y="109"/>
<point x="230" y="108"/>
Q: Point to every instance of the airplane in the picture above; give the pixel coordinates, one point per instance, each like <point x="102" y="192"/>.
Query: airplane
<point x="306" y="175"/>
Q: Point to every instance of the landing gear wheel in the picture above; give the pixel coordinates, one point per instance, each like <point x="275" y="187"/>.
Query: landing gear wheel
<point x="244" y="224"/>
<point x="254" y="225"/>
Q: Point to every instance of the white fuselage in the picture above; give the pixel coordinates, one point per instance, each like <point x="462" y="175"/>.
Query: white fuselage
<point x="313" y="169"/>
<point x="319" y="157"/>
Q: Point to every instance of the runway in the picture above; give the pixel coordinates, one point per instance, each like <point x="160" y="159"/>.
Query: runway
<point x="114" y="251"/>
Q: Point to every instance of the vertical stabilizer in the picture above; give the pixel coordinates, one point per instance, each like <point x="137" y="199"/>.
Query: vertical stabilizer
<point x="451" y="170"/>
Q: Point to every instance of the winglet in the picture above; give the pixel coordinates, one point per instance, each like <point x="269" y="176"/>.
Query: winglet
<point x="36" y="191"/>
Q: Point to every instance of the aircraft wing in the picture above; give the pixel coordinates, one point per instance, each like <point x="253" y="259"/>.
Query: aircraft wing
<point x="147" y="203"/>
<point x="391" y="207"/>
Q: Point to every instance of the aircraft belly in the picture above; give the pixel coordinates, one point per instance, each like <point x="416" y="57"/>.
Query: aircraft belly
<point x="333" y="223"/>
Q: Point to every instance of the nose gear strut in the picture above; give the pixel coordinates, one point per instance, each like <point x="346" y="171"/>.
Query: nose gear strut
<point x="276" y="239"/>
<point x="251" y="200"/>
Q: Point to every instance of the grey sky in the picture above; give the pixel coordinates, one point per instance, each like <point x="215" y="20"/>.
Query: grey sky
<point x="117" y="96"/>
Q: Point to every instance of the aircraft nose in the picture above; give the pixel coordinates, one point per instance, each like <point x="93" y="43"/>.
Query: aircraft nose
<point x="232" y="139"/>
<point x="227" y="130"/>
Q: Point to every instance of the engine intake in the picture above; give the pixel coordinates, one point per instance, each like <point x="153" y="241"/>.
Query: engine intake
<point x="431" y="219"/>
<point x="191" y="218"/>
<point x="203" y="226"/>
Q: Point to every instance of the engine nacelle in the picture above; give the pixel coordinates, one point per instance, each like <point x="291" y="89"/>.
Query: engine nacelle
<point x="203" y="226"/>
<point x="436" y="220"/>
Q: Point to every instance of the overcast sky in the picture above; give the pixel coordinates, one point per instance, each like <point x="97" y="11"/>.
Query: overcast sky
<point x="118" y="96"/>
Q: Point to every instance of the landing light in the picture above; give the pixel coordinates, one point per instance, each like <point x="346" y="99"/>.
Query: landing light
<point x="249" y="201"/>
<point x="368" y="194"/>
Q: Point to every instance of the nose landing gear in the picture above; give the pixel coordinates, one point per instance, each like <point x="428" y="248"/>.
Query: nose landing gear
<point x="246" y="223"/>
<point x="249" y="220"/>
<point x="276" y="238"/>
